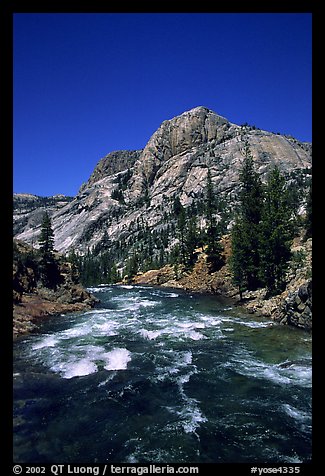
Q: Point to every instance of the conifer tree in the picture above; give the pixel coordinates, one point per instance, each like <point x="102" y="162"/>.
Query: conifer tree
<point x="238" y="257"/>
<point x="74" y="261"/>
<point x="245" y="262"/>
<point x="213" y="232"/>
<point x="46" y="239"/>
<point x="275" y="234"/>
<point x="49" y="266"/>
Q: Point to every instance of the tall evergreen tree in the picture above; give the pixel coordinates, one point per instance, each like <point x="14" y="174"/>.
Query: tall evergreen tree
<point x="46" y="239"/>
<point x="238" y="257"/>
<point x="49" y="266"/>
<point x="213" y="232"/>
<point x="74" y="261"/>
<point x="187" y="233"/>
<point x="275" y="234"/>
<point x="245" y="261"/>
<point x="251" y="194"/>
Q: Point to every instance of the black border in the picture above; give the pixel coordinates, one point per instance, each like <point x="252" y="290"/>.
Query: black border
<point x="7" y="10"/>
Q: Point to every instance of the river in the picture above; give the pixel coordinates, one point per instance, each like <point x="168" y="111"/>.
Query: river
<point x="159" y="375"/>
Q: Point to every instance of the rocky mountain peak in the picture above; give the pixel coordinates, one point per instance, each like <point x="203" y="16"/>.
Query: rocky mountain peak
<point x="129" y="188"/>
<point x="175" y="136"/>
<point x="112" y="163"/>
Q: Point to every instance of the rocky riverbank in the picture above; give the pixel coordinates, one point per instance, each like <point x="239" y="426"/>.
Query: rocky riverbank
<point x="32" y="302"/>
<point x="292" y="307"/>
<point x="33" y="308"/>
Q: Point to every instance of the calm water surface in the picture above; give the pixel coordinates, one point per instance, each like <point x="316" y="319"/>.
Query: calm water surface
<point x="155" y="375"/>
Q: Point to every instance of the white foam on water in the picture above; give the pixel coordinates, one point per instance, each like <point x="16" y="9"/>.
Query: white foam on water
<point x="91" y="358"/>
<point x="196" y="335"/>
<point x="298" y="374"/>
<point x="100" y="289"/>
<point x="187" y="330"/>
<point x="107" y="380"/>
<point x="176" y="362"/>
<point x="295" y="413"/>
<point x="133" y="303"/>
<point x="77" y="368"/>
<point x="191" y="325"/>
<point x="170" y="328"/>
<point x="213" y="321"/>
<point x="186" y="358"/>
<point x="253" y="324"/>
<point x="93" y="351"/>
<point x="98" y="311"/>
<point x="146" y="303"/>
<point x="116" y="359"/>
<point x="257" y="369"/>
<point x="48" y="341"/>
<point x="76" y="331"/>
<point x="151" y="335"/>
<point x="292" y="374"/>
<point x="107" y="328"/>
<point x="190" y="415"/>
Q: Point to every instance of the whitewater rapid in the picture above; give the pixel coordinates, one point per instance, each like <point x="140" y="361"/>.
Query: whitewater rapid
<point x="190" y="377"/>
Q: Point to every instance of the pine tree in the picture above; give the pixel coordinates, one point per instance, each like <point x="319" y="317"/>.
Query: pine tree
<point x="238" y="257"/>
<point x="74" y="261"/>
<point x="251" y="194"/>
<point x="213" y="231"/>
<point x="49" y="266"/>
<point x="46" y="240"/>
<point x="245" y="262"/>
<point x="275" y="234"/>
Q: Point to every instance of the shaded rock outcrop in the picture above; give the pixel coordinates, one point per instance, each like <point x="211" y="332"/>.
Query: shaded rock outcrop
<point x="32" y="301"/>
<point x="292" y="307"/>
<point x="296" y="309"/>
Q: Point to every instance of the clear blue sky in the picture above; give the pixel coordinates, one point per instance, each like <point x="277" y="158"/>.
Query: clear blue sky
<point x="89" y="84"/>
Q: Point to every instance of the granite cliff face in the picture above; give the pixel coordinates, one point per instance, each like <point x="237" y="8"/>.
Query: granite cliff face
<point x="29" y="209"/>
<point x="132" y="187"/>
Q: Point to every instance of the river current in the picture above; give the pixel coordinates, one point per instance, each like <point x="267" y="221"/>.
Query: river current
<point x="158" y="375"/>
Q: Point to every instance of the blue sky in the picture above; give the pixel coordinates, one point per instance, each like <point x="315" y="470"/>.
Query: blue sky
<point x="89" y="84"/>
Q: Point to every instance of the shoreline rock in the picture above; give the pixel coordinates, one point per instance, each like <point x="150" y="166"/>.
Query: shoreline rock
<point x="31" y="311"/>
<point x="32" y="301"/>
<point x="293" y="307"/>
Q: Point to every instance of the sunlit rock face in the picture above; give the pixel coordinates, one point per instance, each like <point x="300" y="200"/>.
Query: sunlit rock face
<point x="131" y="186"/>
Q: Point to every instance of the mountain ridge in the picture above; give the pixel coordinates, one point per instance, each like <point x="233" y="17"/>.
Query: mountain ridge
<point x="128" y="188"/>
